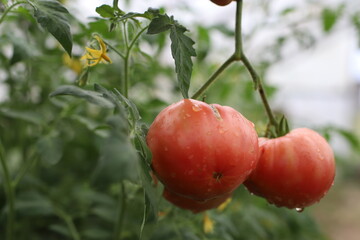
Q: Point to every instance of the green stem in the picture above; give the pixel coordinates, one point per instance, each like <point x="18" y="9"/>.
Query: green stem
<point x="9" y="9"/>
<point x="69" y="223"/>
<point x="213" y="77"/>
<point x="120" y="213"/>
<point x="238" y="31"/>
<point x="24" y="169"/>
<point x="127" y="59"/>
<point x="10" y="196"/>
<point x="235" y="57"/>
<point x="259" y="87"/>
<point x="240" y="56"/>
<point x="115" y="50"/>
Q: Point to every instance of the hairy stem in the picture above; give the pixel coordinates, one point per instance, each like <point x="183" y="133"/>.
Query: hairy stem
<point x="10" y="195"/>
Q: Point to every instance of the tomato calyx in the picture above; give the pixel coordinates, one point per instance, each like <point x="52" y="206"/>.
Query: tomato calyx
<point x="279" y="129"/>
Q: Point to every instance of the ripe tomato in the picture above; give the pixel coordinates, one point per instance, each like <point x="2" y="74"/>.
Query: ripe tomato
<point x="222" y="2"/>
<point x="193" y="205"/>
<point x="293" y="171"/>
<point x="202" y="151"/>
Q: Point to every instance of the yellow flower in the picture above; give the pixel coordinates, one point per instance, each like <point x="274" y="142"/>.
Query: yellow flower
<point x="73" y="63"/>
<point x="95" y="56"/>
<point x="224" y="205"/>
<point x="208" y="224"/>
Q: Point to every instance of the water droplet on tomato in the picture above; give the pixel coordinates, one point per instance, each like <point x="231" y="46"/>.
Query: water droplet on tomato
<point x="196" y="108"/>
<point x="299" y="210"/>
<point x="187" y="115"/>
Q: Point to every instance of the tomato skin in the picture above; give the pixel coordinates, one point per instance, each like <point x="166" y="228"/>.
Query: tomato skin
<point x="193" y="205"/>
<point x="222" y="2"/>
<point x="293" y="171"/>
<point x="202" y="151"/>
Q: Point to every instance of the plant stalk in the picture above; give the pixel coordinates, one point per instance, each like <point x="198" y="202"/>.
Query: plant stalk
<point x="127" y="59"/>
<point x="213" y="77"/>
<point x="9" y="9"/>
<point x="240" y="56"/>
<point x="10" y="196"/>
<point x="120" y="213"/>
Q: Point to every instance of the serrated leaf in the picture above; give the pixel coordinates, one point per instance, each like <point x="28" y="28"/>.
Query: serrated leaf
<point x="182" y="50"/>
<point x="105" y="11"/>
<point x="51" y="15"/>
<point x="160" y="24"/>
<point x="90" y="96"/>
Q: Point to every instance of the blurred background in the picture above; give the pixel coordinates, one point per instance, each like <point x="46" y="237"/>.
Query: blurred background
<point x="308" y="54"/>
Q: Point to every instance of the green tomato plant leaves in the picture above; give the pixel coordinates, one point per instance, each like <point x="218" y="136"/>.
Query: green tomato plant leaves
<point x="331" y="16"/>
<point x="51" y="15"/>
<point x="181" y="48"/>
<point x="90" y="96"/>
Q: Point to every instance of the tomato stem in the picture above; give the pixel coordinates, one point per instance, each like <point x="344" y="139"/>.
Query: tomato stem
<point x="10" y="195"/>
<point x="129" y="47"/>
<point x="239" y="55"/>
<point x="9" y="9"/>
<point x="69" y="223"/>
<point x="120" y="213"/>
<point x="213" y="77"/>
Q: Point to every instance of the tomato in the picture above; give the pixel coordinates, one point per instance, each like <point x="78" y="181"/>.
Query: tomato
<point x="193" y="205"/>
<point x="202" y="151"/>
<point x="222" y="2"/>
<point x="293" y="171"/>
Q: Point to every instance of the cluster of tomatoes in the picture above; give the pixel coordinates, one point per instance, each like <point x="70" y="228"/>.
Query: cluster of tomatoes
<point x="202" y="153"/>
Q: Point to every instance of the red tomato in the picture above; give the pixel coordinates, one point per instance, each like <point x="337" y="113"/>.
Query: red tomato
<point x="222" y="2"/>
<point x="202" y="151"/>
<point x="193" y="205"/>
<point x="293" y="171"/>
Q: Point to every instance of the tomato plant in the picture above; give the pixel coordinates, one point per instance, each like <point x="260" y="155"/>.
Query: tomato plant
<point x="295" y="170"/>
<point x="222" y="2"/>
<point x="74" y="161"/>
<point x="193" y="205"/>
<point x="202" y="151"/>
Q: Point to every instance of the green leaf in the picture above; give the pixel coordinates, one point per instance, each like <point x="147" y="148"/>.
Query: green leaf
<point x="96" y="233"/>
<point x="90" y="96"/>
<point x="182" y="50"/>
<point x="51" y="15"/>
<point x="31" y="203"/>
<point x="160" y="24"/>
<point x="105" y="11"/>
<point x="351" y="138"/>
<point x="50" y="148"/>
<point x="29" y="116"/>
<point x="118" y="157"/>
<point x="330" y="17"/>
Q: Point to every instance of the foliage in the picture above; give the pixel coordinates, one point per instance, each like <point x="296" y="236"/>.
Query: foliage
<point x="75" y="164"/>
